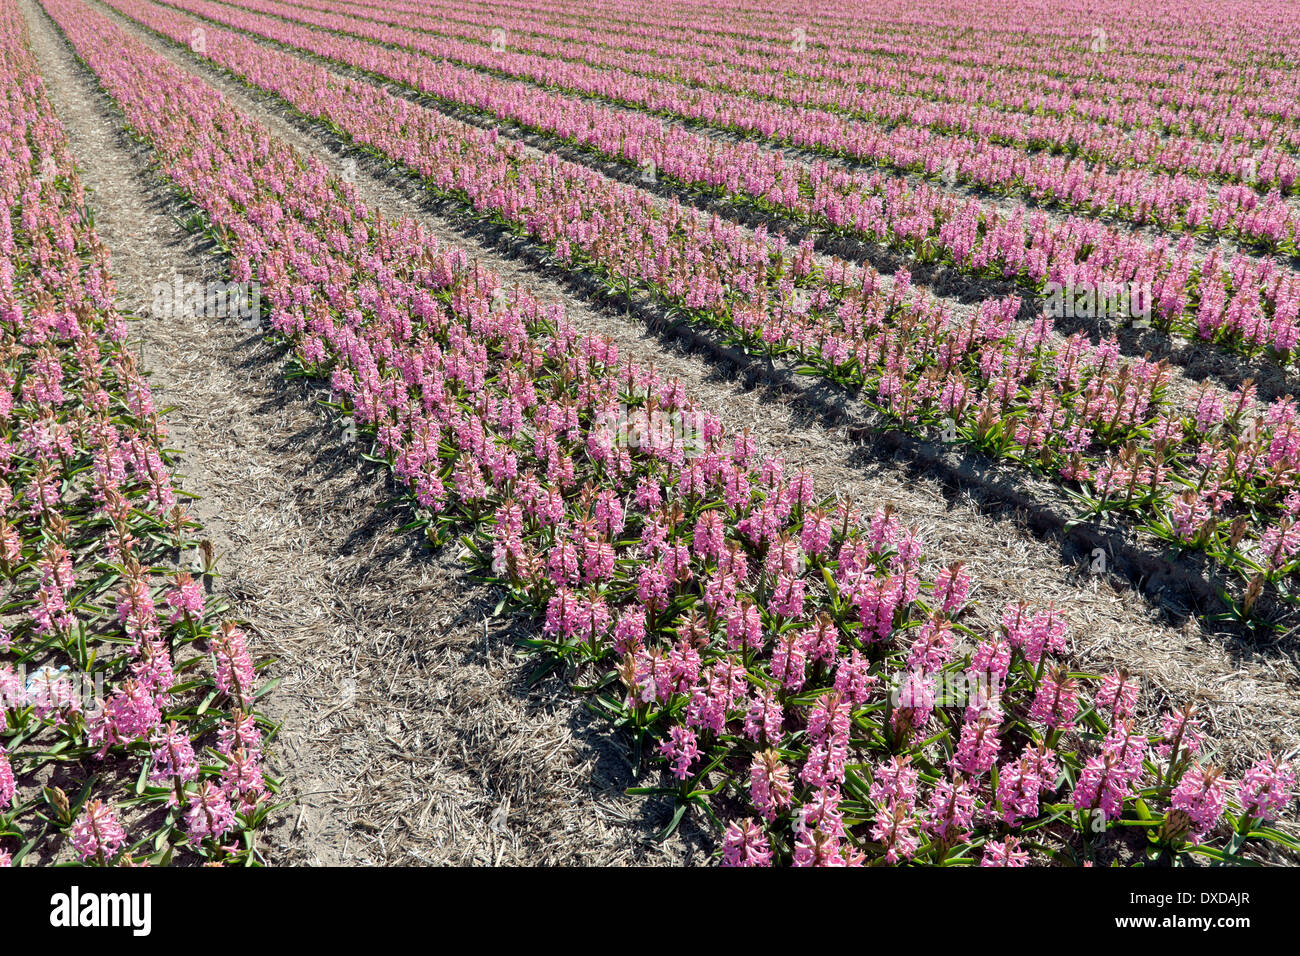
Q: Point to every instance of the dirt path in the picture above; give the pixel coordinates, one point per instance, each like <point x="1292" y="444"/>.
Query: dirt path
<point x="408" y="733"/>
<point x="1249" y="692"/>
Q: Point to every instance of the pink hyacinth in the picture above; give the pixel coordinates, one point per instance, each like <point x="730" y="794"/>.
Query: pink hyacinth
<point x="1021" y="783"/>
<point x="97" y="834"/>
<point x="894" y="780"/>
<point x="789" y="660"/>
<point x="989" y="664"/>
<point x="951" y="810"/>
<point x="13" y="690"/>
<point x="915" y="704"/>
<point x="629" y="631"/>
<point x="977" y="749"/>
<point x="7" y="786"/>
<point x="239" y="732"/>
<point x="173" y="757"/>
<point x="745" y="844"/>
<point x="209" y="814"/>
<point x="815" y="536"/>
<point x="744" y="627"/>
<point x="1004" y="853"/>
<point x="769" y="784"/>
<point x="1180" y="734"/>
<point x="1203" y="795"/>
<point x="1057" y="701"/>
<point x="1117" y="697"/>
<point x="825" y="764"/>
<point x="932" y="647"/>
<point x="951" y="588"/>
<point x="764" y="718"/>
<point x="895" y="828"/>
<point x="680" y="749"/>
<point x="1036" y="633"/>
<point x="852" y="677"/>
<point x="500" y="399"/>
<point x="1102" y="786"/>
<point x="242" y="780"/>
<point x="815" y="847"/>
<point x="186" y="599"/>
<point x="234" y="667"/>
<point x="1266" y="788"/>
<point x="1126" y="749"/>
<point x="131" y="713"/>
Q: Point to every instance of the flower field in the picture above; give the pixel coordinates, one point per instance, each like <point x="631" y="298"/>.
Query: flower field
<point x="1025" y="592"/>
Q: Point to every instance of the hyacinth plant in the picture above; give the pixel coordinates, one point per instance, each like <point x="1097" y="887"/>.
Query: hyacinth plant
<point x="128" y="729"/>
<point x="1216" y="475"/>
<point x="815" y="689"/>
